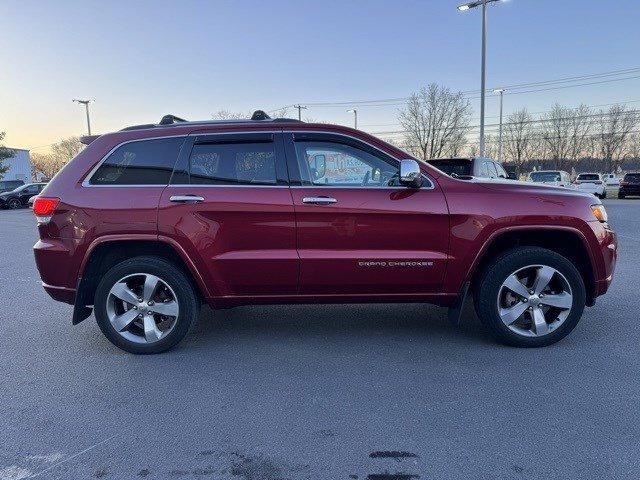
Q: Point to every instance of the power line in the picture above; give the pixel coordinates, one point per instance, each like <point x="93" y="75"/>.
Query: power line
<point x="401" y="100"/>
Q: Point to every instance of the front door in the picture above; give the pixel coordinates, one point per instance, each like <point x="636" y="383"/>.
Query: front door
<point x="359" y="230"/>
<point x="229" y="206"/>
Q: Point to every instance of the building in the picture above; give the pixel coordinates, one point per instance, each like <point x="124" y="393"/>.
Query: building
<point x="19" y="166"/>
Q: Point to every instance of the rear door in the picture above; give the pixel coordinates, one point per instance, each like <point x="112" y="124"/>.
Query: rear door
<point x="358" y="230"/>
<point x="229" y="207"/>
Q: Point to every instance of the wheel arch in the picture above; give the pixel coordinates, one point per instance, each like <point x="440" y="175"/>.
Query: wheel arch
<point x="105" y="252"/>
<point x="566" y="241"/>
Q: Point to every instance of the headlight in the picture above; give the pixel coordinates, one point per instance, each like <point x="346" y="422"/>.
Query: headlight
<point x="599" y="212"/>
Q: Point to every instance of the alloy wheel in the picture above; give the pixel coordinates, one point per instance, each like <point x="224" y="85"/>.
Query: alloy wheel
<point x="535" y="300"/>
<point x="142" y="308"/>
<point x="14" y="204"/>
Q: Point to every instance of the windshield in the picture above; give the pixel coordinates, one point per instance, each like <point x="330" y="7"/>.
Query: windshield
<point x="459" y="167"/>
<point x="588" y="176"/>
<point x="545" y="176"/>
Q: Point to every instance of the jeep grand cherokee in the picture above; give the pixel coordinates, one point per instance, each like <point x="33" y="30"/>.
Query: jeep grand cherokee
<point x="148" y="223"/>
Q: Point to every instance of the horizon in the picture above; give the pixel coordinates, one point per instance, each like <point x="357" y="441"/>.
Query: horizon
<point x="142" y="61"/>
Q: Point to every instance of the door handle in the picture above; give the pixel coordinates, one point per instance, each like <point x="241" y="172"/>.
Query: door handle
<point x="319" y="200"/>
<point x="186" y="199"/>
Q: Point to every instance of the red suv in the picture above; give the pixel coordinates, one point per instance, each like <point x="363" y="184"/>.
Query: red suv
<point x="147" y="223"/>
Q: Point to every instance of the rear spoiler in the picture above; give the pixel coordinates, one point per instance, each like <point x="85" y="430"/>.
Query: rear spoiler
<point x="87" y="139"/>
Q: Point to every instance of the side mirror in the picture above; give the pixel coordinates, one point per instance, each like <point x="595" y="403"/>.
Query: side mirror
<point x="410" y="174"/>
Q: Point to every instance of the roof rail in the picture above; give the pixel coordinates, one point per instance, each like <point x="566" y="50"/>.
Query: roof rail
<point x="170" y="120"/>
<point x="260" y="115"/>
<point x="167" y="120"/>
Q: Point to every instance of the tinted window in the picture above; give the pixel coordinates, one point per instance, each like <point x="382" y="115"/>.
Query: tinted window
<point x="460" y="167"/>
<point x="233" y="163"/>
<point x="588" y="176"/>
<point x="333" y="164"/>
<point x="632" y="177"/>
<point x="145" y="162"/>
<point x="545" y="176"/>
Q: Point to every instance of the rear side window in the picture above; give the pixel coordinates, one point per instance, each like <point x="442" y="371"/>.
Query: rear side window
<point x="233" y="164"/>
<point x="144" y="162"/>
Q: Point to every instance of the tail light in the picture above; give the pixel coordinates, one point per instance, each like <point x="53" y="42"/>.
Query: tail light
<point x="623" y="183"/>
<point x="43" y="208"/>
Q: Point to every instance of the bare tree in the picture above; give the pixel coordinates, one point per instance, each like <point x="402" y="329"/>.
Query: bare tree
<point x="229" y="115"/>
<point x="4" y="154"/>
<point x="435" y="120"/>
<point x="615" y="127"/>
<point x="48" y="164"/>
<point x="519" y="138"/>
<point x="565" y="132"/>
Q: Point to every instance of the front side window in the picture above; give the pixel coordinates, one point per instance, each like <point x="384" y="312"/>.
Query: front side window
<point x="144" y="162"/>
<point x="337" y="165"/>
<point x="233" y="163"/>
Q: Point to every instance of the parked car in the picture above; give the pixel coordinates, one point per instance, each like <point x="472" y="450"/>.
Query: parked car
<point x="8" y="185"/>
<point x="611" y="180"/>
<point x="19" y="197"/>
<point x="470" y="167"/>
<point x="148" y="223"/>
<point x="557" y="178"/>
<point x="592" y="183"/>
<point x="630" y="185"/>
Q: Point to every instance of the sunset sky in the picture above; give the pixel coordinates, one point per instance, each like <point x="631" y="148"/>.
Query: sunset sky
<point x="142" y="59"/>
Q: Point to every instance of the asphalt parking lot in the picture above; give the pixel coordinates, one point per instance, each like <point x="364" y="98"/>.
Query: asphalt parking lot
<point x="317" y="392"/>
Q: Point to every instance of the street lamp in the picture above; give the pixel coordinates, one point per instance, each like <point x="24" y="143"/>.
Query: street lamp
<point x="355" y="117"/>
<point x="86" y="106"/>
<point x="468" y="6"/>
<point x="501" y="92"/>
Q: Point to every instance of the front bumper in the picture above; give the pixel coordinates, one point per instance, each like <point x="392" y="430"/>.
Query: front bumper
<point x="607" y="257"/>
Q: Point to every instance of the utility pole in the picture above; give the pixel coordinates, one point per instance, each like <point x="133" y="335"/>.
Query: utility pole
<point x="501" y="92"/>
<point x="300" y="108"/>
<point x="355" y="117"/>
<point x="86" y="106"/>
<point x="468" y="6"/>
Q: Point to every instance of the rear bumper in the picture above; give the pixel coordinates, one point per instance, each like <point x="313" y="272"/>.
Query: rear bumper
<point x="61" y="294"/>
<point x="54" y="260"/>
<point x="630" y="190"/>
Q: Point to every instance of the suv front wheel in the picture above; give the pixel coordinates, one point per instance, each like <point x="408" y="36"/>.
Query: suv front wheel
<point x="530" y="297"/>
<point x="145" y="305"/>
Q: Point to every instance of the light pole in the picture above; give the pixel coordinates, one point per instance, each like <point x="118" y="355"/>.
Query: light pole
<point x="300" y="108"/>
<point x="86" y="106"/>
<point x="501" y="92"/>
<point x="355" y="117"/>
<point x="468" y="6"/>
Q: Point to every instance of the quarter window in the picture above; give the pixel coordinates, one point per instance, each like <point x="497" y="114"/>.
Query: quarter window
<point x="332" y="164"/>
<point x="144" y="162"/>
<point x="233" y="163"/>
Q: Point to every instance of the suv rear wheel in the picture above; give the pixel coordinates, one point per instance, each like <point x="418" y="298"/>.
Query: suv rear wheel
<point x="530" y="297"/>
<point x="145" y="305"/>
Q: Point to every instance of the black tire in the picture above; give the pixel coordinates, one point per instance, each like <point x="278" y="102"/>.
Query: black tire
<point x="620" y="195"/>
<point x="180" y="283"/>
<point x="488" y="287"/>
<point x="604" y="195"/>
<point x="14" y="204"/>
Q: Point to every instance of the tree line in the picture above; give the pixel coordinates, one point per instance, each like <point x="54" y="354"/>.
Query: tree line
<point x="436" y="123"/>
